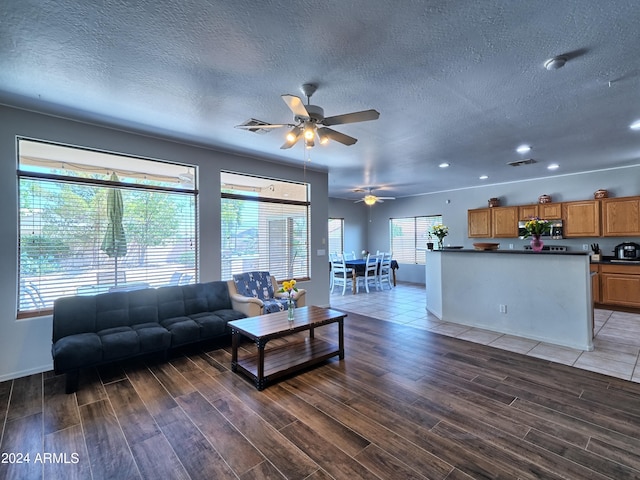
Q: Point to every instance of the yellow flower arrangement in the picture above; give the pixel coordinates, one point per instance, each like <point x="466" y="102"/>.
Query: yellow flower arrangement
<point x="536" y="226"/>
<point x="288" y="286"/>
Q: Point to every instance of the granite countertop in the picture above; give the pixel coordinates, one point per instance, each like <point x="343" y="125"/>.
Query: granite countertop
<point x="608" y="261"/>
<point x="510" y="251"/>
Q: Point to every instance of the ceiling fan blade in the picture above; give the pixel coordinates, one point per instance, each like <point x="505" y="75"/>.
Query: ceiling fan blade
<point x="354" y="117"/>
<point x="296" y="105"/>
<point x="337" y="136"/>
<point x="386" y="198"/>
<point x="358" y="201"/>
<point x="264" y="126"/>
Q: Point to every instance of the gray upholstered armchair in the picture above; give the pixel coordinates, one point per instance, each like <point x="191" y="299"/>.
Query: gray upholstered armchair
<point x="256" y="293"/>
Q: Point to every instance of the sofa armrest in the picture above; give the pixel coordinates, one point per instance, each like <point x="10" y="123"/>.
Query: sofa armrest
<point x="250" y="306"/>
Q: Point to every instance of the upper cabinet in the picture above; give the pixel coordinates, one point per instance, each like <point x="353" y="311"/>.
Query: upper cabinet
<point x="495" y="222"/>
<point x="504" y="222"/>
<point x="479" y="223"/>
<point x="581" y="219"/>
<point x="550" y="211"/>
<point x="527" y="212"/>
<point x="609" y="217"/>
<point x="621" y="217"/>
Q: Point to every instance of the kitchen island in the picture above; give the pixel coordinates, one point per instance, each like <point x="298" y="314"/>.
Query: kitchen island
<point x="544" y="296"/>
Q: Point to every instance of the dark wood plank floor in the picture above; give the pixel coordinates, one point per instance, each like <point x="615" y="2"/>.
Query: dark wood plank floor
<point x="404" y="403"/>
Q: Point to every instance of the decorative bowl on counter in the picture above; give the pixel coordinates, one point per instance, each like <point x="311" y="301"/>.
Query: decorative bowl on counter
<point x="544" y="198"/>
<point x="486" y="246"/>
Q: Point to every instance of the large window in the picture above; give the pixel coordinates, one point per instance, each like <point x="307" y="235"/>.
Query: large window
<point x="336" y="235"/>
<point x="408" y="234"/>
<point x="93" y="222"/>
<point x="264" y="226"/>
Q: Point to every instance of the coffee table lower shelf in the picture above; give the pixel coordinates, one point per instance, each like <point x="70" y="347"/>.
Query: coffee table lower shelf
<point x="286" y="359"/>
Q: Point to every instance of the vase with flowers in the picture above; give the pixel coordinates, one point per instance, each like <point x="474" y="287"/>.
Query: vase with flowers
<point x="440" y="231"/>
<point x="534" y="228"/>
<point x="289" y="287"/>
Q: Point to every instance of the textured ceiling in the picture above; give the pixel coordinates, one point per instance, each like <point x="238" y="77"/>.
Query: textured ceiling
<point x="454" y="81"/>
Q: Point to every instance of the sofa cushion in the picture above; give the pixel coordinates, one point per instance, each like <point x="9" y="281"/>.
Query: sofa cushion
<point x="170" y="303"/>
<point x="183" y="330"/>
<point x="73" y="315"/>
<point x="152" y="337"/>
<point x="73" y="351"/>
<point x="254" y="284"/>
<point x="211" y="325"/>
<point x="119" y="342"/>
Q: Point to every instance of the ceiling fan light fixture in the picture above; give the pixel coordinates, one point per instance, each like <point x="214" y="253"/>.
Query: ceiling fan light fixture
<point x="324" y="139"/>
<point x="370" y="199"/>
<point x="293" y="134"/>
<point x="309" y="143"/>
<point x="309" y="131"/>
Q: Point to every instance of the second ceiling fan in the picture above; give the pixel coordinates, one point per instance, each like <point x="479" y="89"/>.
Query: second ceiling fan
<point x="371" y="199"/>
<point x="307" y="120"/>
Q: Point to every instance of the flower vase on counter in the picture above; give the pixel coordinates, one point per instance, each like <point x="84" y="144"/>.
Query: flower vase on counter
<point x="536" y="243"/>
<point x="440" y="231"/>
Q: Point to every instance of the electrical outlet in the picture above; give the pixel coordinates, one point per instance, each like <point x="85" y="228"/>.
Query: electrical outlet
<point x="503" y="308"/>
<point x="585" y="247"/>
<point x="511" y="246"/>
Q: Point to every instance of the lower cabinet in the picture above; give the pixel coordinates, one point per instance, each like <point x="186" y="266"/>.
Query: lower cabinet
<point x="620" y="285"/>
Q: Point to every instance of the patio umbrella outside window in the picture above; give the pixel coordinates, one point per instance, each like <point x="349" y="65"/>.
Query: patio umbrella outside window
<point x="114" y="243"/>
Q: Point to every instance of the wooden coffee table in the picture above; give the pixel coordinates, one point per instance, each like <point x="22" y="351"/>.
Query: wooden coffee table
<point x="265" y="366"/>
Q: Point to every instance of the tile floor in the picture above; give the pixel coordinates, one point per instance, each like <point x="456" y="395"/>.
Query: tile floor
<point x="616" y="345"/>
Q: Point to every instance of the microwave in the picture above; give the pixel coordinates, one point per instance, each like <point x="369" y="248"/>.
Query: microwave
<point x="555" y="232"/>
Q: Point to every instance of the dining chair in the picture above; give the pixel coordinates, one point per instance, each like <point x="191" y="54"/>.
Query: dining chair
<point x="384" y="271"/>
<point x="370" y="274"/>
<point x="341" y="275"/>
<point x="333" y="256"/>
<point x="349" y="255"/>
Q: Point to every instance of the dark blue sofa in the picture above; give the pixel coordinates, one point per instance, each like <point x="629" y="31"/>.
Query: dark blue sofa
<point x="94" y="330"/>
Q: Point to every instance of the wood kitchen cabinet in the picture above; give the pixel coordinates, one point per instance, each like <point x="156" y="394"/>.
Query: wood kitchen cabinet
<point x="527" y="212"/>
<point x="479" y="223"/>
<point x="504" y="222"/>
<point x="621" y="217"/>
<point x="581" y="219"/>
<point x="550" y="211"/>
<point x="620" y="285"/>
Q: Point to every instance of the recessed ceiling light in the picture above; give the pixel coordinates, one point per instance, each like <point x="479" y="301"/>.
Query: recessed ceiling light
<point x="523" y="149"/>
<point x="635" y="125"/>
<point x="443" y="165"/>
<point x="555" y="62"/>
<point x="553" y="166"/>
<point x="483" y="177"/>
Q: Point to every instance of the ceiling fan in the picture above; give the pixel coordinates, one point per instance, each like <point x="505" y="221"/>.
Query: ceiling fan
<point x="307" y="118"/>
<point x="370" y="198"/>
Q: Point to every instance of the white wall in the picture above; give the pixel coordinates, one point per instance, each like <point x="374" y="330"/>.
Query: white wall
<point x="619" y="182"/>
<point x="25" y="345"/>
